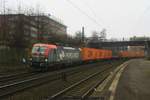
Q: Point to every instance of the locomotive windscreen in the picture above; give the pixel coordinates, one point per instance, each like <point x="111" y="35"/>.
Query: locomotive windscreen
<point x="39" y="49"/>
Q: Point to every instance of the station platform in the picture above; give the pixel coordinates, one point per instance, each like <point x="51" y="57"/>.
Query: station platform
<point x="134" y="83"/>
<point x="130" y="82"/>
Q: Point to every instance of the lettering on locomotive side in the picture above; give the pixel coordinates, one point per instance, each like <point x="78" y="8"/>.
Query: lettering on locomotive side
<point x="72" y="55"/>
<point x="61" y="55"/>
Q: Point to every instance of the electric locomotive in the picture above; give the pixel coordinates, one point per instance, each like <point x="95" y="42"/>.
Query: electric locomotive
<point x="44" y="56"/>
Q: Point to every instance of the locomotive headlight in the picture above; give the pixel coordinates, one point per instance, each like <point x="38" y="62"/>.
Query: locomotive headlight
<point x="30" y="59"/>
<point x="46" y="60"/>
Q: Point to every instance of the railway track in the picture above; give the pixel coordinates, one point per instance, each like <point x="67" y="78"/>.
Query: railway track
<point x="11" y="75"/>
<point x="82" y="88"/>
<point x="16" y="77"/>
<point x="13" y="84"/>
<point x="11" y="88"/>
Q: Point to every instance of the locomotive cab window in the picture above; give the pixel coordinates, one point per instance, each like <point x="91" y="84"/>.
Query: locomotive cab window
<point x="39" y="49"/>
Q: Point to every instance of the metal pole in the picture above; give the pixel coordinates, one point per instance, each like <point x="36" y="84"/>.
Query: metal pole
<point x="82" y="34"/>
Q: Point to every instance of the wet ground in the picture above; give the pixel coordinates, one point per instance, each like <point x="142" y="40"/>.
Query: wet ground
<point x="134" y="83"/>
<point x="12" y="69"/>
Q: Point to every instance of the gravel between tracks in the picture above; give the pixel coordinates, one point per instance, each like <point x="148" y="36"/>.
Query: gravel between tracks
<point x="42" y="91"/>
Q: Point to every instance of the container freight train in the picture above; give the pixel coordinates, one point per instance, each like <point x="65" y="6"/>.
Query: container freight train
<point x="44" y="56"/>
<point x="131" y="54"/>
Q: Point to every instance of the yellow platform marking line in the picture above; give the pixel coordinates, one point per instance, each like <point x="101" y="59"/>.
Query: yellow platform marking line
<point x="114" y="84"/>
<point x="101" y="87"/>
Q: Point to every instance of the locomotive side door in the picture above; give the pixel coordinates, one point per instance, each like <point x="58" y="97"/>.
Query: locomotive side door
<point x="52" y="56"/>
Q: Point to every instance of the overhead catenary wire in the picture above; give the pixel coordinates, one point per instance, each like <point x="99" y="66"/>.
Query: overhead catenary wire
<point x="92" y="10"/>
<point x="99" y="19"/>
<point x="83" y="12"/>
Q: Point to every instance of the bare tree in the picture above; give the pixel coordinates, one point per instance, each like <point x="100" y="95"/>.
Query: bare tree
<point x="78" y="35"/>
<point x="95" y="36"/>
<point x="103" y="35"/>
<point x="4" y="26"/>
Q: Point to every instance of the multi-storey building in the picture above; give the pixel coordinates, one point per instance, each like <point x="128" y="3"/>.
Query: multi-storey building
<point x="32" y="28"/>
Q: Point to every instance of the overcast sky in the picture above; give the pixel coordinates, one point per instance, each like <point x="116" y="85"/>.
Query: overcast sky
<point x="121" y="18"/>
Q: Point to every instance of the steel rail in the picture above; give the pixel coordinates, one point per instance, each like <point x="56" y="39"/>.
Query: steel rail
<point x="11" y="75"/>
<point x="53" y="97"/>
<point x="86" y="94"/>
<point x="12" y="88"/>
<point x="15" y="77"/>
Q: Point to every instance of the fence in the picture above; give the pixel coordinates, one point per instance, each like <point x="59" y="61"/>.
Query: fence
<point x="9" y="56"/>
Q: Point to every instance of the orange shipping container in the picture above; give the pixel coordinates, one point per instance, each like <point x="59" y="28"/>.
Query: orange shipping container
<point x="93" y="54"/>
<point x="131" y="54"/>
<point x="87" y="54"/>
